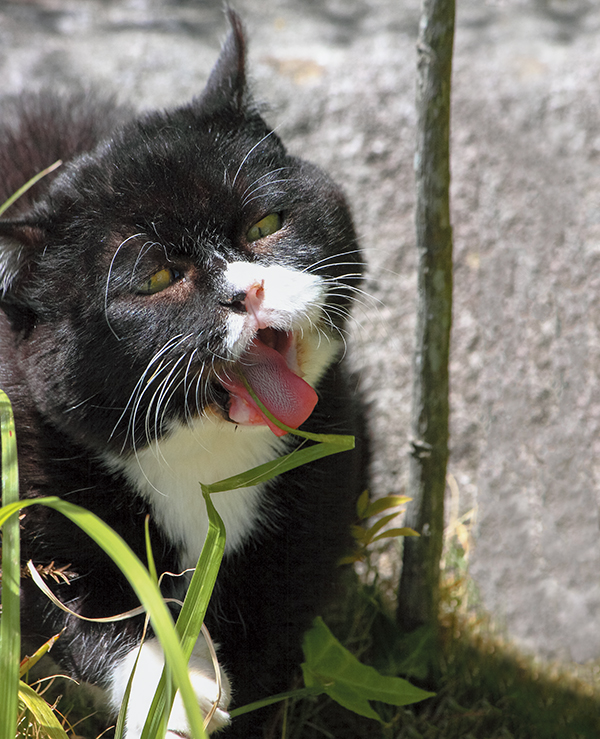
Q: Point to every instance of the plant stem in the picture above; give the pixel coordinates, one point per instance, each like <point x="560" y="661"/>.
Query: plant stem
<point x="419" y="583"/>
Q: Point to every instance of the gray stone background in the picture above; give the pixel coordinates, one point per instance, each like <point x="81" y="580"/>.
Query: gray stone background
<point x="339" y="78"/>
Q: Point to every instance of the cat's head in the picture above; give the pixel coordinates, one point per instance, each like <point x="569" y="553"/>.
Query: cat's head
<point x="184" y="248"/>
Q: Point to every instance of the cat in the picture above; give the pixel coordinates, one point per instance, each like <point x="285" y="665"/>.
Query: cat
<point x="169" y="251"/>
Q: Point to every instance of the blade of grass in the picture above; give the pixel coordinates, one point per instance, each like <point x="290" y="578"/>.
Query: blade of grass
<point x="203" y="580"/>
<point x="149" y="555"/>
<point x="10" y="628"/>
<point x="290" y="461"/>
<point x="29" y="662"/>
<point x="43" y="713"/>
<point x="149" y="594"/>
<point x="122" y="717"/>
<point x="298" y="693"/>
<point x="326" y="444"/>
<point x="144" y="587"/>
<point x="194" y="606"/>
<point x="30" y="183"/>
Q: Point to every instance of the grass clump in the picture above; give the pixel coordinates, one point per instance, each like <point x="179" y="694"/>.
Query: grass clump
<point x="485" y="687"/>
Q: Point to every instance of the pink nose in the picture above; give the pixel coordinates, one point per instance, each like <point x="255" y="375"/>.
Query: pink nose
<point x="253" y="302"/>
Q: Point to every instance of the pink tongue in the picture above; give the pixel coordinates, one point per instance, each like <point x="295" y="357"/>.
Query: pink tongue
<point x="288" y="397"/>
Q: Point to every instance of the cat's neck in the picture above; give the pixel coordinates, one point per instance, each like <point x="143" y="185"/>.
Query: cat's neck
<point x="168" y="474"/>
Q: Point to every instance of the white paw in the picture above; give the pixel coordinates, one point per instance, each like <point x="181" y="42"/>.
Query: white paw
<point x="147" y="675"/>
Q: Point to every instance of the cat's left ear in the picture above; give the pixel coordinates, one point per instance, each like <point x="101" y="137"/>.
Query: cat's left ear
<point x="20" y="240"/>
<point x="226" y="89"/>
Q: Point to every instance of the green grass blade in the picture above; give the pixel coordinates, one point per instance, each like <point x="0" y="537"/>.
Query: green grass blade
<point x="326" y="444"/>
<point x="149" y="555"/>
<point x="43" y="714"/>
<point x="122" y="717"/>
<point x="9" y="510"/>
<point x="294" y="694"/>
<point x="327" y="438"/>
<point x="144" y="587"/>
<point x="30" y="183"/>
<point x="28" y="663"/>
<point x="203" y="580"/>
<point x="10" y="629"/>
<point x="194" y="607"/>
<point x="294" y="459"/>
<point x="149" y="594"/>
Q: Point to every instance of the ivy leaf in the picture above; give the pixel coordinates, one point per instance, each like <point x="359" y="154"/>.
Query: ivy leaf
<point x="332" y="669"/>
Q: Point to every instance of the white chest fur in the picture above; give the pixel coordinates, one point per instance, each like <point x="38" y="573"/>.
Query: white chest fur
<point x="168" y="474"/>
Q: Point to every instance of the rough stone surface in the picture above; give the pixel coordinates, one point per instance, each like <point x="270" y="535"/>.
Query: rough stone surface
<point x="339" y="78"/>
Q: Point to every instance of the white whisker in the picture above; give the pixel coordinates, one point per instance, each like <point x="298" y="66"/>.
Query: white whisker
<point x="245" y="159"/>
<point x="110" y="268"/>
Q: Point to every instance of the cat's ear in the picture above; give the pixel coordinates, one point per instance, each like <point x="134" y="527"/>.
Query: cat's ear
<point x="226" y="88"/>
<point x="20" y="239"/>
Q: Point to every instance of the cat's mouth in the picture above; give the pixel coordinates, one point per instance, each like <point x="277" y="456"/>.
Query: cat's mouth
<point x="269" y="365"/>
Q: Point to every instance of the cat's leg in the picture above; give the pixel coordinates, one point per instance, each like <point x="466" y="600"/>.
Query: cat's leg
<point x="147" y="674"/>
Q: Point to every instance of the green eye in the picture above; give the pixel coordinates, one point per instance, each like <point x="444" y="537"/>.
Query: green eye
<point x="265" y="227"/>
<point x="159" y="281"/>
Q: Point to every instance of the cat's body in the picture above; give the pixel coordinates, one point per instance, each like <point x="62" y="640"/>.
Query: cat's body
<point x="134" y="282"/>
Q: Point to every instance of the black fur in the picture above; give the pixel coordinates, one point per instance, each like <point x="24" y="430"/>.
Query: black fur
<point x="133" y="196"/>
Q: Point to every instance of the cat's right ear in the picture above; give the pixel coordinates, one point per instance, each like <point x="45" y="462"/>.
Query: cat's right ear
<point x="20" y="239"/>
<point x="226" y="89"/>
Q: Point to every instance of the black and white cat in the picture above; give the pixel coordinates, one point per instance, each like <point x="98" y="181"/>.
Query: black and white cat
<point x="170" y="250"/>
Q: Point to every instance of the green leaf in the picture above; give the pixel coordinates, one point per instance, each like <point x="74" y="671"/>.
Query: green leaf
<point x="360" y="535"/>
<point x="362" y="504"/>
<point x="267" y="471"/>
<point x="42" y="713"/>
<point x="30" y="183"/>
<point x="330" y="666"/>
<point x="371" y="532"/>
<point x="193" y="610"/>
<point x="421" y="648"/>
<point x="384" y="504"/>
<point x="144" y="587"/>
<point x="10" y="628"/>
<point x="29" y="662"/>
<point x="393" y="533"/>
